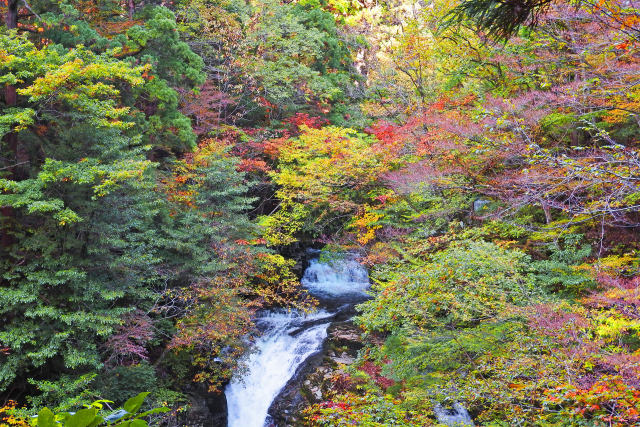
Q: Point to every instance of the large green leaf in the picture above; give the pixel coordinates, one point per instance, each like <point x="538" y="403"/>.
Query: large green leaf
<point x="82" y="418"/>
<point x="133" y="405"/>
<point x="46" y="418"/>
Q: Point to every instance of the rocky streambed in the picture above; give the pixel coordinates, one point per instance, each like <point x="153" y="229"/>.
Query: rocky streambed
<point x="297" y="357"/>
<point x="297" y="353"/>
<point x="312" y="381"/>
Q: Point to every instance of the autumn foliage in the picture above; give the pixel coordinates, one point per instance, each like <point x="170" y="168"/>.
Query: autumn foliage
<point x="165" y="165"/>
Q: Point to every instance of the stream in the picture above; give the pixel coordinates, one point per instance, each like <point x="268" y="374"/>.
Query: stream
<point x="289" y="338"/>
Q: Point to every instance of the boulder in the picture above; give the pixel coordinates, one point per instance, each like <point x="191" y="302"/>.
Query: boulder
<point x="313" y="379"/>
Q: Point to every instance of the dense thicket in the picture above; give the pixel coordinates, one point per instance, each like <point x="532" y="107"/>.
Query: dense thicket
<point x="158" y="161"/>
<point x="129" y="262"/>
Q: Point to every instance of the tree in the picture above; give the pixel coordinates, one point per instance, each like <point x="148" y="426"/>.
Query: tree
<point x="323" y="174"/>
<point x="298" y="57"/>
<point x="56" y="304"/>
<point x="499" y="19"/>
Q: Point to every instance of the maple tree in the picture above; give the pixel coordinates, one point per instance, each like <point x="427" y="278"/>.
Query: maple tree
<point x="164" y="164"/>
<point x="514" y="146"/>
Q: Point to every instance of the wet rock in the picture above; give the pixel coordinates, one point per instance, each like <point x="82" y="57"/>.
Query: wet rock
<point x="301" y="253"/>
<point x="344" y="359"/>
<point x="313" y="380"/>
<point x="207" y="409"/>
<point x="286" y="407"/>
<point x="345" y="334"/>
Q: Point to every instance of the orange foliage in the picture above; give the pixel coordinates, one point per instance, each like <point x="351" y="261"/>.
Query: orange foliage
<point x="7" y="417"/>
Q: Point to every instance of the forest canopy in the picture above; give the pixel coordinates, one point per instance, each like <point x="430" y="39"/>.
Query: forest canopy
<point x="164" y="166"/>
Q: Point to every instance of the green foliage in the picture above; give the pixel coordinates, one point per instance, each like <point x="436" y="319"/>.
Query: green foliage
<point x="66" y="203"/>
<point x="125" y="382"/>
<point x="469" y="282"/>
<point x="496" y="230"/>
<point x="426" y="211"/>
<point x="429" y="357"/>
<point x="559" y="273"/>
<point x="454" y="320"/>
<point x="365" y="410"/>
<point x="94" y="415"/>
<point x="151" y="41"/>
<point x="300" y="57"/>
<point x="69" y="392"/>
<point x="97" y="249"/>
<point x="559" y="126"/>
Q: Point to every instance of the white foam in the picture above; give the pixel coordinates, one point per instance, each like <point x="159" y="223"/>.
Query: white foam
<point x="336" y="278"/>
<point x="276" y="357"/>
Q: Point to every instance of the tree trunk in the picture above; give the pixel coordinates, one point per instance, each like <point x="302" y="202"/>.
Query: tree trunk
<point x="547" y="212"/>
<point x="11" y="18"/>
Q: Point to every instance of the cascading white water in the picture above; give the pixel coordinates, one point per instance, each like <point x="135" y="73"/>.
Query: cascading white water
<point x="276" y="358"/>
<point x="343" y="277"/>
<point x="288" y="339"/>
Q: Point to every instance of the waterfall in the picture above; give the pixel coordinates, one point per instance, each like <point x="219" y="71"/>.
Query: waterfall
<point x="288" y="339"/>
<point x="277" y="355"/>
<point x="338" y="278"/>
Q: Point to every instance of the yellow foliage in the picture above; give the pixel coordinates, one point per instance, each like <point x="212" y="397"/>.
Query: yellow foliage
<point x="366" y="225"/>
<point x="612" y="325"/>
<point x="613" y="264"/>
